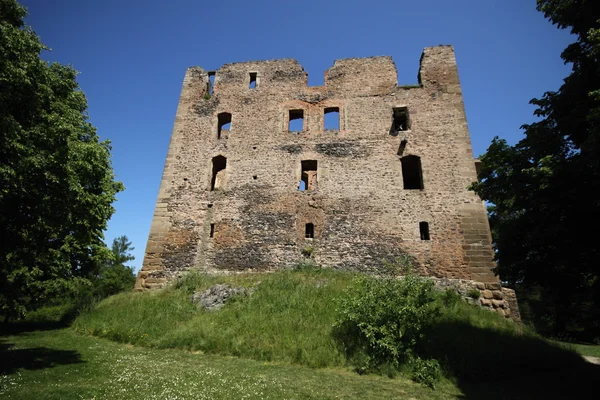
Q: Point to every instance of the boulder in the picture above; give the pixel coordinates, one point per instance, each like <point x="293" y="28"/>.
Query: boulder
<point x="216" y="297"/>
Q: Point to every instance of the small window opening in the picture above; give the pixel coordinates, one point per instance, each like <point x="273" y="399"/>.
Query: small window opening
<point x="309" y="231"/>
<point x="252" y="84"/>
<point x="402" y="147"/>
<point x="219" y="163"/>
<point x="211" y="82"/>
<point x="411" y="172"/>
<point x="224" y="124"/>
<point x="296" y="121"/>
<point x="424" y="229"/>
<point x="209" y="205"/>
<point x="332" y="118"/>
<point x="212" y="230"/>
<point x="400" y="121"/>
<point x="253" y="147"/>
<point x="255" y="177"/>
<point x="308" y="179"/>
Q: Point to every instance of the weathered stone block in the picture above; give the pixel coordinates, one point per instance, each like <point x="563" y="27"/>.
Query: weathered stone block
<point x="497" y="303"/>
<point x="497" y="294"/>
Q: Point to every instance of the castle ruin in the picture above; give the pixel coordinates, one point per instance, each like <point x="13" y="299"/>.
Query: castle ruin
<point x="262" y="166"/>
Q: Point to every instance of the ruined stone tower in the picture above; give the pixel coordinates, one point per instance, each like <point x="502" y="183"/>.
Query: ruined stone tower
<point x="361" y="170"/>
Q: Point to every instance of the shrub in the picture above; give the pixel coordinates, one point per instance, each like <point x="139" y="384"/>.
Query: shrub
<point x="380" y="321"/>
<point x="426" y="372"/>
<point x="474" y="293"/>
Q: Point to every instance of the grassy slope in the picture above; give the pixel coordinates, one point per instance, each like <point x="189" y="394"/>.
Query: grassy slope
<point x="288" y="320"/>
<point x="59" y="364"/>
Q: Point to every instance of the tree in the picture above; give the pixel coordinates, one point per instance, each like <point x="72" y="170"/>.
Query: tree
<point x="56" y="179"/>
<point x="544" y="190"/>
<point x="115" y="276"/>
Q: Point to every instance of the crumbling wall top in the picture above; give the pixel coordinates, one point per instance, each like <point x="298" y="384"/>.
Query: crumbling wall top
<point x="360" y="76"/>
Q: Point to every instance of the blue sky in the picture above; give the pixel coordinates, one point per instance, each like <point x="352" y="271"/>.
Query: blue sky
<point x="132" y="55"/>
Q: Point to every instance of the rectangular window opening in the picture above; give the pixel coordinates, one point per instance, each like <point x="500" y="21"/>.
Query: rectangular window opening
<point x="424" y="229"/>
<point x="400" y="121"/>
<point x="412" y="174"/>
<point x="211" y="82"/>
<point x="308" y="178"/>
<point x="296" y="121"/>
<point x="212" y="230"/>
<point x="309" y="231"/>
<point x="331" y="119"/>
<point x="252" y="84"/>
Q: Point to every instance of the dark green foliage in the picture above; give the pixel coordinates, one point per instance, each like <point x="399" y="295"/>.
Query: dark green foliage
<point x="476" y="345"/>
<point x="56" y="180"/>
<point x="115" y="276"/>
<point x="544" y="189"/>
<point x="427" y="372"/>
<point x="381" y="320"/>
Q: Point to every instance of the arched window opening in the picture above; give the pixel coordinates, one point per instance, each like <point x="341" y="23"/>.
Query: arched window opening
<point x="224" y="124"/>
<point x="219" y="163"/>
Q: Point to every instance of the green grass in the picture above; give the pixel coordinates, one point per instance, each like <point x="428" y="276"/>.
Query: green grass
<point x="586" y="349"/>
<point x="62" y="365"/>
<point x="279" y="335"/>
<point x="288" y="318"/>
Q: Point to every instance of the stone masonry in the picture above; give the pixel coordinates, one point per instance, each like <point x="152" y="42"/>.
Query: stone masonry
<point x="241" y="192"/>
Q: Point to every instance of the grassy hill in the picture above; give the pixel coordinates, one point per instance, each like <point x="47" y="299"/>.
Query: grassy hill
<point x="281" y="341"/>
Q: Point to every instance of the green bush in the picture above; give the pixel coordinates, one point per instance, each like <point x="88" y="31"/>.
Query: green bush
<point x="380" y="321"/>
<point x="426" y="372"/>
<point x="474" y="293"/>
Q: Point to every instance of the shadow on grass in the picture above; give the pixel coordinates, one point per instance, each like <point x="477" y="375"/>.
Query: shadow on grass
<point x="496" y="364"/>
<point x="16" y="328"/>
<point x="13" y="360"/>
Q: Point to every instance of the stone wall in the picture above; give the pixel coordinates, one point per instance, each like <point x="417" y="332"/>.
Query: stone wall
<point x="250" y="214"/>
<point x="492" y="295"/>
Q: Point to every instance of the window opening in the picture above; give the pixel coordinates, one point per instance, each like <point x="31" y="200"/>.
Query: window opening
<point x="211" y="82"/>
<point x="402" y="147"/>
<point x="309" y="231"/>
<point x="308" y="179"/>
<point x="331" y="118"/>
<point x="400" y="121"/>
<point x="219" y="163"/>
<point x="212" y="230"/>
<point x="252" y="84"/>
<point x="296" y="121"/>
<point x="411" y="172"/>
<point x="424" y="229"/>
<point x="255" y="177"/>
<point x="224" y="123"/>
